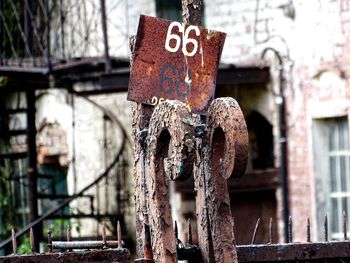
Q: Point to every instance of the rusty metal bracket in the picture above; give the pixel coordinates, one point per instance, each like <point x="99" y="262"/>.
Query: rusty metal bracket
<point x="225" y="114"/>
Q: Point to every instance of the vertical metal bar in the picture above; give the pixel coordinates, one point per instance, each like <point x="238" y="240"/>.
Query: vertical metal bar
<point x="270" y="231"/>
<point x="49" y="240"/>
<point x="176" y="231"/>
<point x="108" y="65"/>
<point x="48" y="34"/>
<point x="62" y="18"/>
<point x="338" y="173"/>
<point x="326" y="228"/>
<point x="290" y="230"/>
<point x="74" y="170"/>
<point x="69" y="233"/>
<point x="104" y="235"/>
<point x="32" y="241"/>
<point x="118" y="186"/>
<point x="119" y="233"/>
<point x="105" y="155"/>
<point x="345" y="226"/>
<point x="14" y="242"/>
<point x="308" y="230"/>
<point x="189" y="239"/>
<point x="255" y="230"/>
<point x="32" y="193"/>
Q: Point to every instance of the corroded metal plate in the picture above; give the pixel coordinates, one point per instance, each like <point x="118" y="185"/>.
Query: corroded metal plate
<point x="175" y="61"/>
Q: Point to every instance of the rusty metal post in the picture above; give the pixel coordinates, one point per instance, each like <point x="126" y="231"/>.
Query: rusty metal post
<point x="170" y="156"/>
<point x="225" y="154"/>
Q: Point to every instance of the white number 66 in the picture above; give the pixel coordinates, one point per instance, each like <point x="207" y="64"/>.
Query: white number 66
<point x="185" y="41"/>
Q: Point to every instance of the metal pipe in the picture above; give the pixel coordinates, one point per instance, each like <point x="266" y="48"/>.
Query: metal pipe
<point x="48" y="39"/>
<point x="282" y="127"/>
<point x="62" y="18"/>
<point x="32" y="193"/>
<point x="98" y="244"/>
<point x="108" y="65"/>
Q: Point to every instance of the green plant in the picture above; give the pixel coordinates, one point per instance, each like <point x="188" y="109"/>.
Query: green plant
<point x="24" y="247"/>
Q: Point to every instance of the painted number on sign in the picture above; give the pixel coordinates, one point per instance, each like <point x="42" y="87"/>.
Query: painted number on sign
<point x="173" y="80"/>
<point x="186" y="40"/>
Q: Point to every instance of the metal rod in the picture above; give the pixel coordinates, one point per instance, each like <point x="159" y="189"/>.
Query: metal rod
<point x="49" y="240"/>
<point x="326" y="228"/>
<point x="97" y="244"/>
<point x="189" y="238"/>
<point x="270" y="231"/>
<point x="68" y="233"/>
<point x="31" y="241"/>
<point x="104" y="236"/>
<point x="176" y="230"/>
<point x="62" y="18"/>
<point x="345" y="226"/>
<point x="32" y="193"/>
<point x="119" y="230"/>
<point x="108" y="65"/>
<point x="14" y="242"/>
<point x="290" y="230"/>
<point x="308" y="230"/>
<point x="255" y="230"/>
<point x="48" y="35"/>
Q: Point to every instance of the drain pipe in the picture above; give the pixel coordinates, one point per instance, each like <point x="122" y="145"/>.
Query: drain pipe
<point x="282" y="127"/>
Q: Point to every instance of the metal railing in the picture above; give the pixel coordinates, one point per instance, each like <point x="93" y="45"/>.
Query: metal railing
<point x="42" y="33"/>
<point x="95" y="183"/>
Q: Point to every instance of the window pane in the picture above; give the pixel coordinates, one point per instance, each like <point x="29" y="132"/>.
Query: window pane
<point x="344" y="204"/>
<point x="343" y="173"/>
<point x="334" y="215"/>
<point x="333" y="174"/>
<point x="332" y="138"/>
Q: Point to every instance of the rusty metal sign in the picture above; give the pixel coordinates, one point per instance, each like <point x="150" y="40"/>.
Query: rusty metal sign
<point x="178" y="61"/>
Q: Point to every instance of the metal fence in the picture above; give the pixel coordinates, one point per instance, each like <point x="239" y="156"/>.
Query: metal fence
<point x="41" y="33"/>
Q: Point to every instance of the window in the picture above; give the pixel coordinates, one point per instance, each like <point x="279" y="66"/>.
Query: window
<point x="172" y="10"/>
<point x="332" y="169"/>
